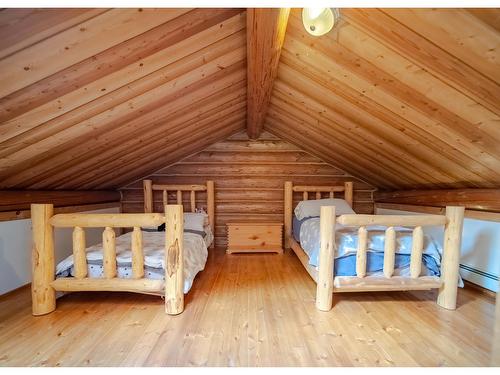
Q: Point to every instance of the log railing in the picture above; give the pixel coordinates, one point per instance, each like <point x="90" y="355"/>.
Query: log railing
<point x="44" y="283"/>
<point x="447" y="283"/>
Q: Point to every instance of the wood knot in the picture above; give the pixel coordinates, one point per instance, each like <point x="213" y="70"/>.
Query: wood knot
<point x="173" y="258"/>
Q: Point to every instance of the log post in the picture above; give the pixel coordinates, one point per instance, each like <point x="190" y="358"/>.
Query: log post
<point x="287" y="220"/>
<point x="348" y="192"/>
<point x="109" y="253"/>
<point x="165" y="198"/>
<point x="174" y="260"/>
<point x="79" y="254"/>
<point x="43" y="263"/>
<point x="361" y="253"/>
<point x="211" y="207"/>
<point x="148" y="195"/>
<point x="324" y="290"/>
<point x="137" y="254"/>
<point x="450" y="263"/>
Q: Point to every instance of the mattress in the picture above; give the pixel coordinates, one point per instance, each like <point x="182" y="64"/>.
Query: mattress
<point x="153" y="243"/>
<point x="307" y="233"/>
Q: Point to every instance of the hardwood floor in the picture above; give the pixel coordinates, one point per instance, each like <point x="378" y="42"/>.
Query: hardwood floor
<point x="249" y="310"/>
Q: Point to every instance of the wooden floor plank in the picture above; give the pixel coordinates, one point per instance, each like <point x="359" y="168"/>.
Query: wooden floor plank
<point x="249" y="310"/>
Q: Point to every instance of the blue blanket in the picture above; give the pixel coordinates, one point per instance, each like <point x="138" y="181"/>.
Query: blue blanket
<point x="306" y="232"/>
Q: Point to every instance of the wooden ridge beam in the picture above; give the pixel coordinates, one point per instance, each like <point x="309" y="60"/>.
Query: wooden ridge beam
<point x="265" y="35"/>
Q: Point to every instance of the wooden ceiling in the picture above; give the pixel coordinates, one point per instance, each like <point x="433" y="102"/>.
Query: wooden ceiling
<point x="95" y="99"/>
<point x="401" y="98"/>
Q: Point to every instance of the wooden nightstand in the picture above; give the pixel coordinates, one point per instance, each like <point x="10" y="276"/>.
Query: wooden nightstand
<point x="253" y="237"/>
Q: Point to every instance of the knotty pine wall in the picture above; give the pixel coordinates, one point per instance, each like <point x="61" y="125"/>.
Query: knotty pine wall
<point x="249" y="178"/>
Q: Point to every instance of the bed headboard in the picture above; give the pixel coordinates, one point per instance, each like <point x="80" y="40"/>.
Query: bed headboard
<point x="346" y="188"/>
<point x="149" y="188"/>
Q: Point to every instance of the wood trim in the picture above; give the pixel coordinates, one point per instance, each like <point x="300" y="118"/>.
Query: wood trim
<point x="265" y="35"/>
<point x="13" y="200"/>
<point x="26" y="214"/>
<point x="475" y="199"/>
<point x="469" y="214"/>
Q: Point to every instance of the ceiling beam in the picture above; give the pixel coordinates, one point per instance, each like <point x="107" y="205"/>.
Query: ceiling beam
<point x="265" y="35"/>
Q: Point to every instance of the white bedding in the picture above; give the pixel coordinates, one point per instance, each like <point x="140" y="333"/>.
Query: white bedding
<point x="195" y="257"/>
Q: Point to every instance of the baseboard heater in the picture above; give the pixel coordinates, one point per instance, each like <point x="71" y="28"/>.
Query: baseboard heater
<point x="484" y="279"/>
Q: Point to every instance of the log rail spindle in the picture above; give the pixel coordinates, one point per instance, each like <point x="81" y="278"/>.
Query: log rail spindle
<point x="79" y="255"/>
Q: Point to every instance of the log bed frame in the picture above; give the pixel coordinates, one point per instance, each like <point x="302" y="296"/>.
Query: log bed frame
<point x="44" y="285"/>
<point x="327" y="283"/>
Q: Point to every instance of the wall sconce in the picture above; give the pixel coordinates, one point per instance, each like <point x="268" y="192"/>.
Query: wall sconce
<point x="319" y="21"/>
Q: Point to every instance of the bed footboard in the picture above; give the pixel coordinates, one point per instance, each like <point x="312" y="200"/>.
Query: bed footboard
<point x="44" y="285"/>
<point x="327" y="283"/>
<point x="447" y="283"/>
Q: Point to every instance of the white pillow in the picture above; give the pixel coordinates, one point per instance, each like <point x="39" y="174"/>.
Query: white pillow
<point x="195" y="221"/>
<point x="312" y="207"/>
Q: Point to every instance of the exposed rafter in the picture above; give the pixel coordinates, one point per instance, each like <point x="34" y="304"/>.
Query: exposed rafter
<point x="265" y="35"/>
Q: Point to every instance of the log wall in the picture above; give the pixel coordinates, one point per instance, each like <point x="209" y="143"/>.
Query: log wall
<point x="249" y="179"/>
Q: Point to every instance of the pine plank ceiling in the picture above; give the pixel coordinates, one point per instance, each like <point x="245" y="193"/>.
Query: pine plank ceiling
<point x="95" y="99"/>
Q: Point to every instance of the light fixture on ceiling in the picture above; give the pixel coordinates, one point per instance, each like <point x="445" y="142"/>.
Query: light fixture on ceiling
<point x="319" y="21"/>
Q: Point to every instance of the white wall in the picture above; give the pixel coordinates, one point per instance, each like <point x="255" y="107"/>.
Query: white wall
<point x="15" y="249"/>
<point x="480" y="255"/>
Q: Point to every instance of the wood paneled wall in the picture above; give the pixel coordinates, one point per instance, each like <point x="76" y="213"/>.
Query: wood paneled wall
<point x="249" y="178"/>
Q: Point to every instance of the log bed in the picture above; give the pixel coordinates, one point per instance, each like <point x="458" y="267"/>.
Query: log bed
<point x="328" y="283"/>
<point x="44" y="284"/>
